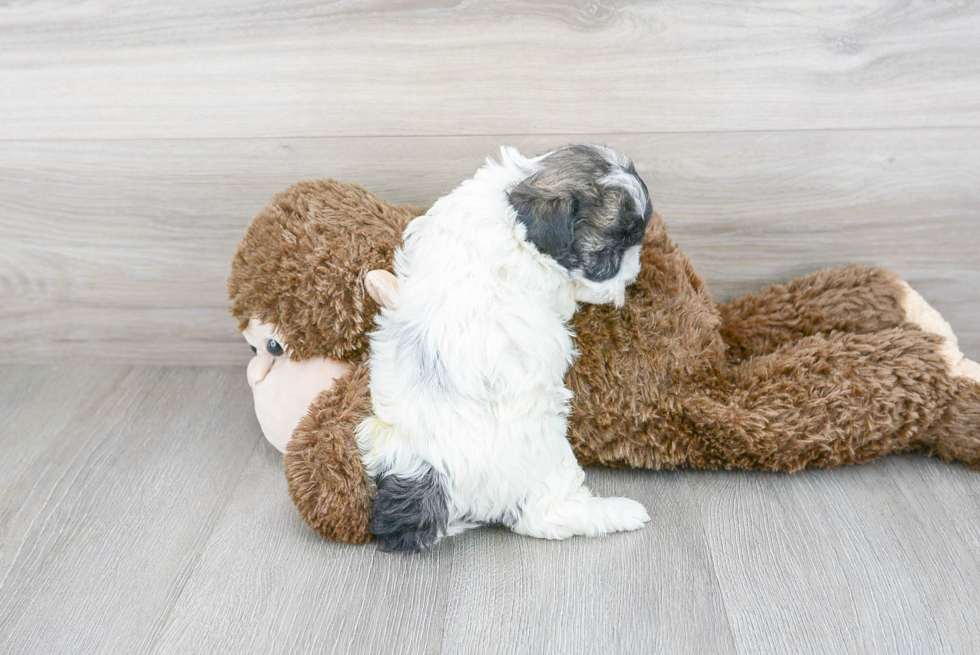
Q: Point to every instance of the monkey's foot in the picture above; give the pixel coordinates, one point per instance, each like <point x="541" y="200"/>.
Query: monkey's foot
<point x="922" y="314"/>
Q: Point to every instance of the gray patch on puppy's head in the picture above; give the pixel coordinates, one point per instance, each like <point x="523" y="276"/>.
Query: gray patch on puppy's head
<point x="584" y="207"/>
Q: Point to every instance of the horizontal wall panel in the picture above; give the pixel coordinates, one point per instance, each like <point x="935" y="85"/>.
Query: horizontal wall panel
<point x="112" y="69"/>
<point x="119" y="250"/>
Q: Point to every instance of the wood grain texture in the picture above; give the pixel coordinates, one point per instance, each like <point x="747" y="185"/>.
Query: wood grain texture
<point x="653" y="590"/>
<point x="854" y="560"/>
<point x="140" y="512"/>
<point x="284" y="68"/>
<point x="118" y="251"/>
<point x="110" y="497"/>
<point x="958" y="493"/>
<point x="267" y="583"/>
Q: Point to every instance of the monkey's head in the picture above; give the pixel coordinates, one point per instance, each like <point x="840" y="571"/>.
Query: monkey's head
<point x="301" y="293"/>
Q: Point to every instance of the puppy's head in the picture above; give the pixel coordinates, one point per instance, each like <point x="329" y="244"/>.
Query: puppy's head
<point x="585" y="207"/>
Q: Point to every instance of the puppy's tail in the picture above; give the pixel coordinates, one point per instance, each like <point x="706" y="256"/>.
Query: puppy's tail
<point x="411" y="513"/>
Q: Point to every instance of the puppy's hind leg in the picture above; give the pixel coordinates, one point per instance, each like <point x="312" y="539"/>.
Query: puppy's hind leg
<point x="559" y="509"/>
<point x="410" y="513"/>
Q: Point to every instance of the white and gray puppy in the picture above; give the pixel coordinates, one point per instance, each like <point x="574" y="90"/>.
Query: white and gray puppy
<point x="468" y="368"/>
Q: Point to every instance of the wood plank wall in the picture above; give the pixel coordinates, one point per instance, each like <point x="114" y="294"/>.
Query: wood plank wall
<point x="138" y="138"/>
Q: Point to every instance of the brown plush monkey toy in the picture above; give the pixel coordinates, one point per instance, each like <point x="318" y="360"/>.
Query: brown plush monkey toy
<point x="838" y="367"/>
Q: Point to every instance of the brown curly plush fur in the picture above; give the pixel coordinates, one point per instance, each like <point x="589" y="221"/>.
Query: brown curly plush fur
<point x="304" y="258"/>
<point x="822" y="371"/>
<point x="325" y="476"/>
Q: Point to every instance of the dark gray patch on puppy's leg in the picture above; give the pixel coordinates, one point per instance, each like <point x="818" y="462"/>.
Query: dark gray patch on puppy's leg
<point x="410" y="514"/>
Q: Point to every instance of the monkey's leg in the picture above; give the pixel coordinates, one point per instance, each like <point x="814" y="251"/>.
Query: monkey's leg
<point x="955" y="435"/>
<point x="326" y="477"/>
<point x="858" y="299"/>
<point x="835" y="399"/>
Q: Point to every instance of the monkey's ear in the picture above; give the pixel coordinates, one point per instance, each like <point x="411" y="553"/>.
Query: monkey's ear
<point x="548" y="217"/>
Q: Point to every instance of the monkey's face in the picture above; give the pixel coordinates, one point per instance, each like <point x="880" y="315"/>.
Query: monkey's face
<point x="283" y="389"/>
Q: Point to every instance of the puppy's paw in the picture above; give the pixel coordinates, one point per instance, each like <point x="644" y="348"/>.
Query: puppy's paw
<point x="581" y="514"/>
<point x="410" y="514"/>
<point x="623" y="514"/>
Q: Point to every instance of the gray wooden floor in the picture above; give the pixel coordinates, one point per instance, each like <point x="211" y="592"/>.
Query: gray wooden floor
<point x="141" y="511"/>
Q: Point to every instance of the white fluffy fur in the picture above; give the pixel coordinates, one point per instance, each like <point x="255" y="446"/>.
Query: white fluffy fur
<point x="467" y="372"/>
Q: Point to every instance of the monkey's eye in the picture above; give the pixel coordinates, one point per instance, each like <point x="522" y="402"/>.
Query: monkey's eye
<point x="254" y="350"/>
<point x="273" y="348"/>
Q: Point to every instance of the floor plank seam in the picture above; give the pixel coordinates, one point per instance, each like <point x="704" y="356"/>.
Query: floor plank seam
<point x="964" y="538"/>
<point x="714" y="568"/>
<point x="360" y="607"/>
<point x="218" y="515"/>
<point x="134" y="398"/>
<point x="508" y="135"/>
<point x="445" y="607"/>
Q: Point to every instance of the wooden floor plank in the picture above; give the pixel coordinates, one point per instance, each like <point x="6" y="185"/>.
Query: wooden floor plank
<point x="854" y="560"/>
<point x="110" y="512"/>
<point x="281" y="68"/>
<point x="651" y="591"/>
<point x="957" y="489"/>
<point x="141" y="512"/>
<point x="118" y="251"/>
<point x="37" y="405"/>
<point x="266" y="583"/>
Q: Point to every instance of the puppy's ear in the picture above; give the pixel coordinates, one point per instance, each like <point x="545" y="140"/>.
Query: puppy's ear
<point x="548" y="216"/>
